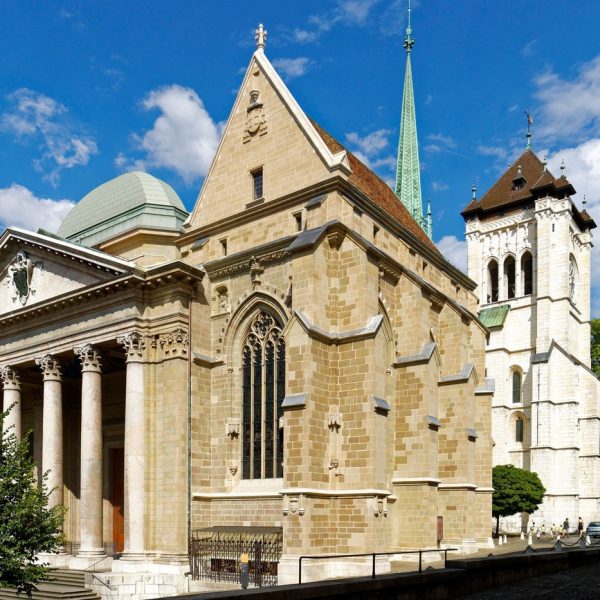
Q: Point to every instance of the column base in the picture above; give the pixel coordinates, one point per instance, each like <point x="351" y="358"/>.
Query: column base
<point x="135" y="556"/>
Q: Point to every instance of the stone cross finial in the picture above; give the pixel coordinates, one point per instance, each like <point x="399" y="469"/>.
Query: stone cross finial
<point x="261" y="37"/>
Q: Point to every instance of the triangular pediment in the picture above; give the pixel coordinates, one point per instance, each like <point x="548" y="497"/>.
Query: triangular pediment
<point x="268" y="130"/>
<point x="35" y="268"/>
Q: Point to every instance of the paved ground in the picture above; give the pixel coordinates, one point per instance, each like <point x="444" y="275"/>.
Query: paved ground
<point x="576" y="584"/>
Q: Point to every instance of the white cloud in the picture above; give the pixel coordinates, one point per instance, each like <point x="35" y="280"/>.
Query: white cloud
<point x="569" y="122"/>
<point x="22" y="208"/>
<point x="184" y="137"/>
<point x="454" y="250"/>
<point x="444" y="140"/>
<point x="303" y="36"/>
<point x="439" y="186"/>
<point x="432" y="148"/>
<point x="569" y="109"/>
<point x="496" y="151"/>
<point x="582" y="168"/>
<point x="38" y="117"/>
<point x="292" y="67"/>
<point x="345" y="12"/>
<point x="370" y="144"/>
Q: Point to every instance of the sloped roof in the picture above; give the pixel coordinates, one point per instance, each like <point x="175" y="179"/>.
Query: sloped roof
<point x="371" y="185"/>
<point x="537" y="181"/>
<point x="494" y="316"/>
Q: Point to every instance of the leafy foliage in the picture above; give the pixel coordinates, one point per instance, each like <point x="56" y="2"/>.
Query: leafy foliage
<point x="595" y="345"/>
<point x="27" y="525"/>
<point x="515" y="490"/>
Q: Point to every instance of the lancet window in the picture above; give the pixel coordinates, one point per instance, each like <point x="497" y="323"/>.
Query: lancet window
<point x="527" y="273"/>
<point x="492" y="282"/>
<point x="517" y="380"/>
<point x="263" y="390"/>
<point x="509" y="277"/>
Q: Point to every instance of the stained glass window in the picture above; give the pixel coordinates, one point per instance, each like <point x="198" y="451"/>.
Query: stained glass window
<point x="263" y="390"/>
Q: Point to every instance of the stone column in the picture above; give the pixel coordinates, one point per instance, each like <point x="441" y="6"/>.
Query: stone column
<point x="135" y="446"/>
<point x="52" y="440"/>
<point x="12" y="396"/>
<point x="90" y="506"/>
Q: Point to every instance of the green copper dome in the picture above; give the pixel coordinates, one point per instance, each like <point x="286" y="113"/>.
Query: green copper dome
<point x="129" y="201"/>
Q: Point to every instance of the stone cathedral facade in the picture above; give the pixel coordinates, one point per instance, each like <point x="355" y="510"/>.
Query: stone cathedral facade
<point x="529" y="250"/>
<point x="294" y="356"/>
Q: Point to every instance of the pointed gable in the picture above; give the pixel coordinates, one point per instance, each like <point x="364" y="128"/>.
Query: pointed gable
<point x="35" y="268"/>
<point x="266" y="130"/>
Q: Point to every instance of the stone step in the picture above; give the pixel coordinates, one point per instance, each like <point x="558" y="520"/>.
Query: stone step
<point x="68" y="576"/>
<point x="50" y="591"/>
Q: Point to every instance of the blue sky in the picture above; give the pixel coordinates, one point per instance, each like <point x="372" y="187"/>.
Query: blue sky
<point x="90" y="89"/>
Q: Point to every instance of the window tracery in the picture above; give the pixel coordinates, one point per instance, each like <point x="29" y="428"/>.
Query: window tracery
<point x="263" y="390"/>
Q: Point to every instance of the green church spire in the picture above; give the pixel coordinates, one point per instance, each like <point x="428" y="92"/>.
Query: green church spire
<point x="408" y="173"/>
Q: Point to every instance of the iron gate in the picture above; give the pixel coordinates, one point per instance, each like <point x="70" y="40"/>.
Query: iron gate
<point x="215" y="553"/>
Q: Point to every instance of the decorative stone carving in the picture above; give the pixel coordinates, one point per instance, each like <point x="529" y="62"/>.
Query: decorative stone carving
<point x="134" y="345"/>
<point x="233" y="468"/>
<point x="256" y="270"/>
<point x="10" y="378"/>
<point x="233" y="429"/>
<point x="387" y="272"/>
<point x="335" y="421"/>
<point x="174" y="344"/>
<point x="380" y="507"/>
<point x="222" y="299"/>
<point x="89" y="357"/>
<point x="51" y="369"/>
<point x="293" y="504"/>
<point x="256" y="118"/>
<point x="334" y="467"/>
<point x="20" y="273"/>
<point x="335" y="239"/>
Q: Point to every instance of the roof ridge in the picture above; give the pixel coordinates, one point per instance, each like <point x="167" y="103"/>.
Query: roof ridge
<point x="373" y="186"/>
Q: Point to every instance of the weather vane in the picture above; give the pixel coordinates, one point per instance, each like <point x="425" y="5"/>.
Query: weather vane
<point x="409" y="41"/>
<point x="529" y="124"/>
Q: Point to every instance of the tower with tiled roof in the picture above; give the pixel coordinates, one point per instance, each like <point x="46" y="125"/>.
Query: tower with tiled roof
<point x="529" y="249"/>
<point x="408" y="172"/>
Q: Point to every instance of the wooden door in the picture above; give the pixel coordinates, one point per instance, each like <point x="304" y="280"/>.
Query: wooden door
<point x="118" y="498"/>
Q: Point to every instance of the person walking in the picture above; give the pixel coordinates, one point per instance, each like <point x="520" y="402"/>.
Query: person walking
<point x="580" y="527"/>
<point x="566" y="526"/>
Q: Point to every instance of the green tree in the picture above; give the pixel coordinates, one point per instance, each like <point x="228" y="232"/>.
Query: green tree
<point x="595" y="345"/>
<point x="27" y="525"/>
<point x="515" y="490"/>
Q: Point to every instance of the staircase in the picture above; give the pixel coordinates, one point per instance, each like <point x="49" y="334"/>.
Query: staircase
<point x="63" y="583"/>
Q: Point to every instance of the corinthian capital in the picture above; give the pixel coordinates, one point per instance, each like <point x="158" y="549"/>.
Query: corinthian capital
<point x="10" y="378"/>
<point x="134" y="345"/>
<point x="51" y="369"/>
<point x="89" y="357"/>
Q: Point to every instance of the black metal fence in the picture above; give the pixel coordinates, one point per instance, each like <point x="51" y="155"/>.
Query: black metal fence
<point x="215" y="554"/>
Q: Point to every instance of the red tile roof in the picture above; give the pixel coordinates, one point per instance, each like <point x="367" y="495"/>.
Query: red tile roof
<point x="372" y="186"/>
<point x="536" y="179"/>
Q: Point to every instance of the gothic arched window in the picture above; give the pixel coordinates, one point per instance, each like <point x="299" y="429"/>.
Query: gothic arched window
<point x="492" y="295"/>
<point x="527" y="274"/>
<point x="517" y="383"/>
<point x="263" y="390"/>
<point x="573" y="277"/>
<point x="509" y="277"/>
<point x="519" y="429"/>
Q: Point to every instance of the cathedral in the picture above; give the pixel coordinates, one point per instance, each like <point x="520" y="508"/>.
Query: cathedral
<point x="529" y="251"/>
<point x="293" y="368"/>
